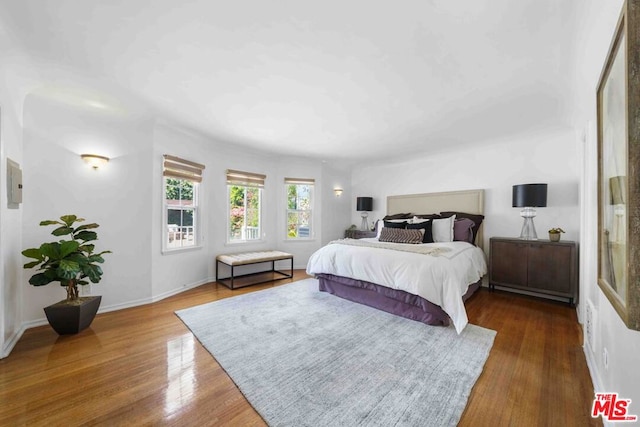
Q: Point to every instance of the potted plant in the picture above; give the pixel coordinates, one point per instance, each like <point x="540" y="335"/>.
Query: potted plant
<point x="70" y="262"/>
<point x="554" y="234"/>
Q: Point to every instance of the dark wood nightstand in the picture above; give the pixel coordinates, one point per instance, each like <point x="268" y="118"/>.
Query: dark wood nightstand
<point x="358" y="234"/>
<point x="538" y="266"/>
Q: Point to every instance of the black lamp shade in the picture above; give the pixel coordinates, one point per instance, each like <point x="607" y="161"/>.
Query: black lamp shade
<point x="530" y="196"/>
<point x="364" y="204"/>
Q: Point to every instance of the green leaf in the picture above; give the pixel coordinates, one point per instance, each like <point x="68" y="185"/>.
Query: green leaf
<point x="49" y="264"/>
<point x="104" y="252"/>
<point x="78" y="257"/>
<point x="86" y="227"/>
<point x="86" y="236"/>
<point x="40" y="279"/>
<point x="96" y="258"/>
<point x="33" y="253"/>
<point x="68" y="269"/>
<point x="51" y="250"/>
<point x="68" y="265"/>
<point x="50" y="222"/>
<point x="88" y="248"/>
<point x="68" y="247"/>
<point x="61" y="231"/>
<point x="31" y="264"/>
<point x="82" y="282"/>
<point x="93" y="272"/>
<point x="51" y="275"/>
<point x="70" y="219"/>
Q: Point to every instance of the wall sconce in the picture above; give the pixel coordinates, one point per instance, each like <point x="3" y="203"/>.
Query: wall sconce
<point x="94" y="160"/>
<point x="338" y="191"/>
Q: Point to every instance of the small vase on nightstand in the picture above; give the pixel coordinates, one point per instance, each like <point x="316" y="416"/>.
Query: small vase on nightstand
<point x="554" y="234"/>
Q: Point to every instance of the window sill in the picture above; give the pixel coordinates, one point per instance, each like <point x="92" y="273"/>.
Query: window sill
<point x="245" y="242"/>
<point x="181" y="250"/>
<point x="299" y="240"/>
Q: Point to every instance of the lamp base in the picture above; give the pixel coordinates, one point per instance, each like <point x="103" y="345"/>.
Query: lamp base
<point x="619" y="232"/>
<point x="365" y="224"/>
<point x="528" y="228"/>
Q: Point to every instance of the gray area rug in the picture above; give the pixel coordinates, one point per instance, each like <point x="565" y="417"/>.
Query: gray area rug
<point x="307" y="358"/>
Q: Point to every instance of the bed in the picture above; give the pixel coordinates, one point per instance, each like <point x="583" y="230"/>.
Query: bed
<point x="426" y="282"/>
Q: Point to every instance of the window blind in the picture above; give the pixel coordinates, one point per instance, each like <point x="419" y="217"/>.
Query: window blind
<point x="303" y="181"/>
<point x="175" y="167"/>
<point x="249" y="179"/>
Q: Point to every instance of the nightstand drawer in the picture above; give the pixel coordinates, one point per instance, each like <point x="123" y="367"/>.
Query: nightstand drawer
<point x="358" y="234"/>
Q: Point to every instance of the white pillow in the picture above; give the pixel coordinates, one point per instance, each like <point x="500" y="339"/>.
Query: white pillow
<point x="379" y="226"/>
<point x="443" y="229"/>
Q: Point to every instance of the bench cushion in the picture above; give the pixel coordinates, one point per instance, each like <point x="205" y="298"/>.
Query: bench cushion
<point x="243" y="258"/>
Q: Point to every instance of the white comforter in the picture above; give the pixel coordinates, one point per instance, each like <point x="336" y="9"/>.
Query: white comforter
<point x="442" y="279"/>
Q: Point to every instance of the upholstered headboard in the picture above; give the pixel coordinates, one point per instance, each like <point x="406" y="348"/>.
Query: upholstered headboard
<point x="469" y="201"/>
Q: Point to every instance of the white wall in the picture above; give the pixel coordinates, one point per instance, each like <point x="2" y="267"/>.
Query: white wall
<point x="10" y="220"/>
<point x="336" y="210"/>
<point x="17" y="77"/>
<point x="598" y="20"/>
<point x="549" y="157"/>
<point x="117" y="197"/>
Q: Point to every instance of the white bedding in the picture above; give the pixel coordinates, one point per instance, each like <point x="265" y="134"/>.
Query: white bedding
<point x="441" y="280"/>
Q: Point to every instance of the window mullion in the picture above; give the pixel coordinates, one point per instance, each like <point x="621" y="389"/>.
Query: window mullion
<point x="246" y="212"/>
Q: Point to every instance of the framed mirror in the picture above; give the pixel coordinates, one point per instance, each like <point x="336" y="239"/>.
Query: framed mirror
<point x="618" y="103"/>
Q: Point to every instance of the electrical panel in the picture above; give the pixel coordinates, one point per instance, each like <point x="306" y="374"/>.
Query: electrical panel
<point x="14" y="184"/>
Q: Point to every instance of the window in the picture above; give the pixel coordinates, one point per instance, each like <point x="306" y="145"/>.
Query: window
<point x="299" y="207"/>
<point x="181" y="213"/>
<point x="244" y="190"/>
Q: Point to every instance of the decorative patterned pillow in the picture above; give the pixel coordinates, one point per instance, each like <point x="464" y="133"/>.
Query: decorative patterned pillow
<point x="400" y="235"/>
<point x="426" y="226"/>
<point x="394" y="223"/>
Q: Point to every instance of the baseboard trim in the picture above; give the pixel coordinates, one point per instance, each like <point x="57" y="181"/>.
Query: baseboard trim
<point x="182" y="289"/>
<point x="12" y="341"/>
<point x="591" y="364"/>
<point x="156" y="298"/>
<point x="595" y="376"/>
<point x="593" y="371"/>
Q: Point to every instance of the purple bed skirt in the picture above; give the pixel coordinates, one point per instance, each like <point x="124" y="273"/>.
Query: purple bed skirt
<point x="390" y="300"/>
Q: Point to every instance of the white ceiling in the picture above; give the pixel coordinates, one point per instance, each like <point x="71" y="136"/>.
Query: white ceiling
<point x="350" y="79"/>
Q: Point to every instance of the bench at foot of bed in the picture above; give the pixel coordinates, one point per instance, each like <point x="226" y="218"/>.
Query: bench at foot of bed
<point x="250" y="258"/>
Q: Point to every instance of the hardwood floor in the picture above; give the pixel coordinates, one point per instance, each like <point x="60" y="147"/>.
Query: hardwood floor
<point x="142" y="366"/>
